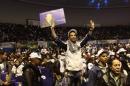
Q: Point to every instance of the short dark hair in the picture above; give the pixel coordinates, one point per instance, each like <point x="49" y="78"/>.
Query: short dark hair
<point x="104" y="52"/>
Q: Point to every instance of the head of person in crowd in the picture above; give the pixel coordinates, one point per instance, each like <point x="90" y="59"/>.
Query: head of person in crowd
<point x="17" y="62"/>
<point x="115" y="66"/>
<point x="102" y="56"/>
<point x="5" y="56"/>
<point x="44" y="51"/>
<point x="1" y="56"/>
<point x="112" y="54"/>
<point x="122" y="52"/>
<point x="35" y="58"/>
<point x="72" y="35"/>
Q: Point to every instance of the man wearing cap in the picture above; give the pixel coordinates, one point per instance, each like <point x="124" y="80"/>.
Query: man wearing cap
<point x="123" y="58"/>
<point x="98" y="74"/>
<point x="73" y="57"/>
<point x="31" y="73"/>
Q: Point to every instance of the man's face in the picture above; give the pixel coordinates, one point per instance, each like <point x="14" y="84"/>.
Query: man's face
<point x="37" y="61"/>
<point x="17" y="63"/>
<point x="103" y="58"/>
<point x="116" y="66"/>
<point x="1" y="59"/>
<point x="72" y="37"/>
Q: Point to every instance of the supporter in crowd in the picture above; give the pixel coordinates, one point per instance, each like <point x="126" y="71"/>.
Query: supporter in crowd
<point x="74" y="62"/>
<point x="98" y="74"/>
<point x="17" y="70"/>
<point x="5" y="70"/>
<point x="116" y="76"/>
<point x="31" y="73"/>
<point x="52" y="72"/>
<point x="123" y="58"/>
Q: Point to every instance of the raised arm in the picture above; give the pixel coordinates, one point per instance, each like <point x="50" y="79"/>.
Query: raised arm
<point x="57" y="40"/>
<point x="88" y="35"/>
<point x="91" y="27"/>
<point x="53" y="31"/>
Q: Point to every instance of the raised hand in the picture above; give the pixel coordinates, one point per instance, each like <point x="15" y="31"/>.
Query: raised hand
<point x="91" y="25"/>
<point x="53" y="31"/>
<point x="53" y="25"/>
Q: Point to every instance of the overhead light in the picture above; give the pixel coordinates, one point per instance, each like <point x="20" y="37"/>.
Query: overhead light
<point x="101" y="3"/>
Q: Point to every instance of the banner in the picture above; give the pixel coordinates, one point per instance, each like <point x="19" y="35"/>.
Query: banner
<point x="7" y="45"/>
<point x="42" y="44"/>
<point x="49" y="18"/>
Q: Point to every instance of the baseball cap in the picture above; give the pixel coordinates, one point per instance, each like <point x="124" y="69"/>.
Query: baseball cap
<point x="121" y="50"/>
<point x="35" y="55"/>
<point x="101" y="51"/>
<point x="72" y="30"/>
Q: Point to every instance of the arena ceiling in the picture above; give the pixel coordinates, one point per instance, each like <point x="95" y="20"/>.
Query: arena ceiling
<point x="79" y="3"/>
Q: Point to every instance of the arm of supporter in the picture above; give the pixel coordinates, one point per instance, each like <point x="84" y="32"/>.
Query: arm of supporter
<point x="1" y="82"/>
<point x="53" y="32"/>
<point x="28" y="76"/>
<point x="60" y="44"/>
<point x="91" y="78"/>
<point x="57" y="40"/>
<point x="89" y="34"/>
<point x="86" y="39"/>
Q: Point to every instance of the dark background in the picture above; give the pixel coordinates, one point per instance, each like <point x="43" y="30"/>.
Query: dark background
<point x="15" y="11"/>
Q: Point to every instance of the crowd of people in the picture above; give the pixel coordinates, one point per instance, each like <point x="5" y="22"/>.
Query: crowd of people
<point x="17" y="32"/>
<point x="66" y="64"/>
<point x="97" y="60"/>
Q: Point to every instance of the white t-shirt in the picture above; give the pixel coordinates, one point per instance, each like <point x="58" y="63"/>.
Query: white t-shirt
<point x="74" y="61"/>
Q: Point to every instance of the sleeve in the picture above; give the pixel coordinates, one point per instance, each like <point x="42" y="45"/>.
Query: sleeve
<point x="28" y="76"/>
<point x="91" y="78"/>
<point x="85" y="40"/>
<point x="13" y="70"/>
<point x="1" y="82"/>
<point x="60" y="44"/>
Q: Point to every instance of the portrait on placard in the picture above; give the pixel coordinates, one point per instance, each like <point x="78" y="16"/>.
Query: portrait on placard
<point x="49" y="18"/>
